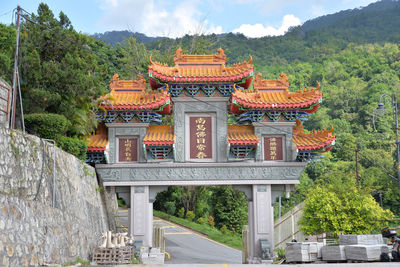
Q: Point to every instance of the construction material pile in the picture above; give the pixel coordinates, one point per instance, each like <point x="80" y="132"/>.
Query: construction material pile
<point x="114" y="249"/>
<point x="362" y="248"/>
<point x="303" y="251"/>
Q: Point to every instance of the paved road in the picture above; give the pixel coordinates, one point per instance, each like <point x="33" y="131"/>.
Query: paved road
<point x="185" y="246"/>
<point x="374" y="264"/>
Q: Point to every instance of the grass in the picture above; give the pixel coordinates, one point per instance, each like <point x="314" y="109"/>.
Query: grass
<point x="229" y="239"/>
<point x="78" y="260"/>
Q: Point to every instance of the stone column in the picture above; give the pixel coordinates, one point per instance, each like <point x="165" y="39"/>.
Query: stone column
<point x="261" y="221"/>
<point x="141" y="215"/>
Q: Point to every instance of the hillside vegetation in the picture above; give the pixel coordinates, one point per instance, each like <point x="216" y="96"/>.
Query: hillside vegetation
<point x="354" y="54"/>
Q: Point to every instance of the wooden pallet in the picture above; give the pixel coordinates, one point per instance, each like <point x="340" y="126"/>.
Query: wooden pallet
<point x="122" y="255"/>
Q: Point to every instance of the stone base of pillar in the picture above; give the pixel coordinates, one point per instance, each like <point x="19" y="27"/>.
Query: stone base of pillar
<point x="141" y="212"/>
<point x="261" y="224"/>
<point x="141" y="215"/>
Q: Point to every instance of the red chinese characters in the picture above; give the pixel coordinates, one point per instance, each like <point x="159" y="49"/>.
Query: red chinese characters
<point x="200" y="138"/>
<point x="127" y="149"/>
<point x="273" y="149"/>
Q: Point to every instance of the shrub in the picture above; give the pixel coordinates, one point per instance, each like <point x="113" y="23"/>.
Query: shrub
<point x="201" y="220"/>
<point x="46" y="125"/>
<point x="224" y="229"/>
<point x="210" y="221"/>
<point x="73" y="146"/>
<point x="190" y="215"/>
<point x="342" y="210"/>
<point x="229" y="207"/>
<point x="170" y="207"/>
<point x="121" y="203"/>
<point x="280" y="253"/>
<point x="181" y="212"/>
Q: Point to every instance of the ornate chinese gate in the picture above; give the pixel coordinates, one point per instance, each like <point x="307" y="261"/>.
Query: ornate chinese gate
<point x="263" y="154"/>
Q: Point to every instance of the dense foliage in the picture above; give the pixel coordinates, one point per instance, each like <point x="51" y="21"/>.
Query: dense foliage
<point x="61" y="77"/>
<point x="45" y="125"/>
<point x="353" y="81"/>
<point x="219" y="206"/>
<point x="342" y="210"/>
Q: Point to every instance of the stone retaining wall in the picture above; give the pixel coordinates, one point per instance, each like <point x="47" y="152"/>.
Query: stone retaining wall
<point x="32" y="231"/>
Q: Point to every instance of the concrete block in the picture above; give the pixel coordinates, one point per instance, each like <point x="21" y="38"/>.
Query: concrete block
<point x="303" y="251"/>
<point x="365" y="252"/>
<point x="360" y="239"/>
<point x="333" y="253"/>
<point x="152" y="257"/>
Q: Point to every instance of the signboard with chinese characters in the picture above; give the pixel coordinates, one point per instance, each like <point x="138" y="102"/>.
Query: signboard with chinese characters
<point x="273" y="148"/>
<point x="127" y="149"/>
<point x="201" y="143"/>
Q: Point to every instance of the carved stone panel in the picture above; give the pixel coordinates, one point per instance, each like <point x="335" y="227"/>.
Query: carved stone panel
<point x="198" y="172"/>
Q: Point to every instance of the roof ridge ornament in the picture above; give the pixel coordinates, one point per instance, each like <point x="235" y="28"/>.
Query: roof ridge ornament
<point x="270" y="84"/>
<point x="221" y="54"/>
<point x="178" y="55"/>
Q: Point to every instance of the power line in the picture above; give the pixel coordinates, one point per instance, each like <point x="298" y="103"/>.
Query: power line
<point x="6" y="13"/>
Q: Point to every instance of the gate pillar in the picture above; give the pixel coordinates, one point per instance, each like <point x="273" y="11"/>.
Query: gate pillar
<point x="261" y="222"/>
<point x="141" y="215"/>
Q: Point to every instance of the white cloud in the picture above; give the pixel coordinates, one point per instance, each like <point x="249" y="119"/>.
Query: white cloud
<point x="259" y="30"/>
<point x="151" y="18"/>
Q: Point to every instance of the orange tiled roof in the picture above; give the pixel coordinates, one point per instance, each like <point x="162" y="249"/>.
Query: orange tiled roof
<point x="118" y="85"/>
<point x="276" y="99"/>
<point x="200" y="68"/>
<point x="242" y="135"/>
<point x="315" y="140"/>
<point x="158" y="135"/>
<point x="262" y="84"/>
<point x="181" y="59"/>
<point x="128" y="95"/>
<point x="99" y="141"/>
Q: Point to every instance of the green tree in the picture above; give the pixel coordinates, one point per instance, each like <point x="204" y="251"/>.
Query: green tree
<point x="134" y="58"/>
<point x="347" y="211"/>
<point x="59" y="72"/>
<point x="229" y="207"/>
<point x="7" y="50"/>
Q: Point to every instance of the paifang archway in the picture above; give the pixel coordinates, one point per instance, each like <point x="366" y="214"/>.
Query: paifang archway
<point x="262" y="154"/>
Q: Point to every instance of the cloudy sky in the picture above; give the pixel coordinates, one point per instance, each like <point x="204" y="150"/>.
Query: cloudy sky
<point x="253" y="18"/>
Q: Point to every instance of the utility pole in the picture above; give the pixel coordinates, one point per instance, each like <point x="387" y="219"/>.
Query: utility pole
<point x="381" y="109"/>
<point x="357" y="177"/>
<point x="397" y="138"/>
<point x="15" y="78"/>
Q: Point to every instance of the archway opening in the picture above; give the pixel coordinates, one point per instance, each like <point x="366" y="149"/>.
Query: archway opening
<point x="214" y="212"/>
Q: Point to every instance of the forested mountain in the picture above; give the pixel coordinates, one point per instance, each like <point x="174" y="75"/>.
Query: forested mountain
<point x="374" y="12"/>
<point x="114" y="37"/>
<point x="377" y="23"/>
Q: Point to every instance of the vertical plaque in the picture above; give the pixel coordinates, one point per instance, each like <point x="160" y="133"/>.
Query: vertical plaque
<point x="127" y="148"/>
<point x="273" y="148"/>
<point x="200" y="137"/>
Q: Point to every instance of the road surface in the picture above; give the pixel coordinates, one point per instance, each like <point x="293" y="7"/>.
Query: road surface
<point x="185" y="246"/>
